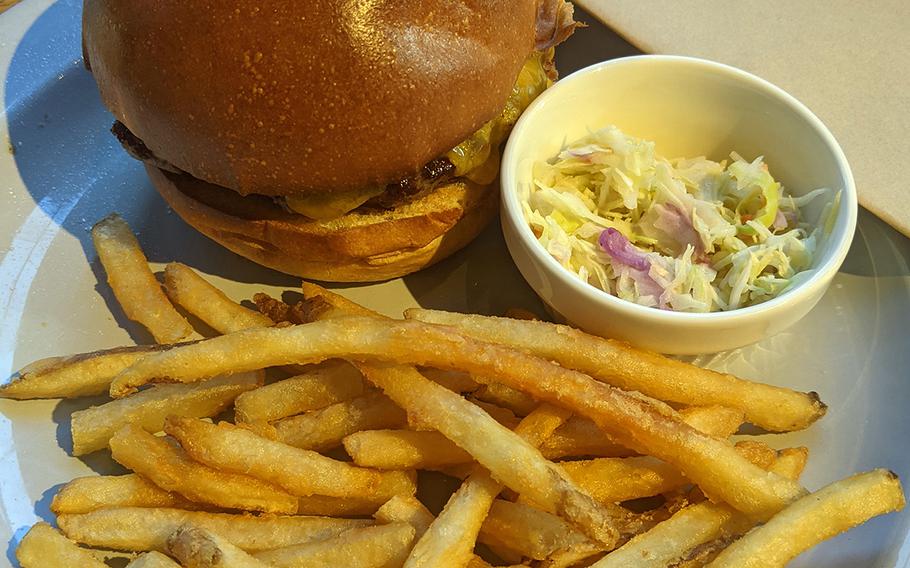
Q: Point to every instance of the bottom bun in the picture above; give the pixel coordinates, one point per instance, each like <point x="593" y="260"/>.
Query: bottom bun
<point x="362" y="246"/>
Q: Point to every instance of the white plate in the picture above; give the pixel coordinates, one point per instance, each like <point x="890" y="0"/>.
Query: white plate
<point x="68" y="171"/>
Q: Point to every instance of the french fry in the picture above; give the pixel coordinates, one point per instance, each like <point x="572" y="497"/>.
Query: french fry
<point x="195" y="295"/>
<point x="612" y="480"/>
<point x="152" y="560"/>
<point x="518" y="402"/>
<point x="773" y="408"/>
<point x="405" y="509"/>
<point x="581" y="437"/>
<point x="370" y="547"/>
<point x="85" y="494"/>
<point x="671" y="540"/>
<point x="790" y="462"/>
<point x="310" y="391"/>
<point x="523" y="470"/>
<point x="197" y="547"/>
<point x="452" y="536"/>
<point x="514" y="462"/>
<point x="409" y="449"/>
<point x="324" y="429"/>
<point x="718" y="421"/>
<point x="815" y="518"/>
<point x="229" y="448"/>
<point x="403" y="449"/>
<point x="85" y="374"/>
<point x="392" y="484"/>
<point x="141" y="529"/>
<point x="632" y="419"/>
<point x="757" y="452"/>
<point x="455" y="381"/>
<point x="530" y="532"/>
<point x="43" y="546"/>
<point x="502" y="415"/>
<point x="169" y="468"/>
<point x="93" y="428"/>
<point x="133" y="283"/>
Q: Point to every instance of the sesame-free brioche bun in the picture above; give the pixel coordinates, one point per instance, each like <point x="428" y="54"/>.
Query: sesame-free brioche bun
<point x="357" y="247"/>
<point x="280" y="97"/>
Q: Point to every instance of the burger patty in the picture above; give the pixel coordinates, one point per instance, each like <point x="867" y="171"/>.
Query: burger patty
<point x="431" y="175"/>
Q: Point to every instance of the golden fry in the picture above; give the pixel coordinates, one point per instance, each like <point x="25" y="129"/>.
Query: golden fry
<point x="815" y="518"/>
<point x="310" y="391"/>
<point x="169" y="468"/>
<point x="405" y="509"/>
<point x="43" y="546"/>
<point x="92" y="428"/>
<point x="518" y="402"/>
<point x="612" y="480"/>
<point x="533" y="533"/>
<point x="452" y="536"/>
<point x="228" y="448"/>
<point x="671" y="540"/>
<point x="581" y="437"/>
<point x="85" y="494"/>
<point x="718" y="421"/>
<point x="370" y="547"/>
<point x="194" y="294"/>
<point x="392" y="484"/>
<point x="133" y="283"/>
<point x="403" y="449"/>
<point x="455" y="381"/>
<point x="86" y="374"/>
<point x="141" y="529"/>
<point x="324" y="429"/>
<point x="523" y="470"/>
<point x="773" y="408"/>
<point x="510" y="459"/>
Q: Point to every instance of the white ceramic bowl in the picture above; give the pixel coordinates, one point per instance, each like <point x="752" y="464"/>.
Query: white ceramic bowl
<point x="689" y="107"/>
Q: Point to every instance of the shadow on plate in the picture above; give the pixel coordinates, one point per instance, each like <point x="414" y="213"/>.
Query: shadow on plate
<point x="43" y="505"/>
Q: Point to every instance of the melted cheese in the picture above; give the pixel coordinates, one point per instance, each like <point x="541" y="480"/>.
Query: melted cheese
<point x="330" y="205"/>
<point x="477" y="158"/>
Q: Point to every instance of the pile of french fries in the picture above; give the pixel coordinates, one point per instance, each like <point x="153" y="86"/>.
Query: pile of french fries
<point x="572" y="450"/>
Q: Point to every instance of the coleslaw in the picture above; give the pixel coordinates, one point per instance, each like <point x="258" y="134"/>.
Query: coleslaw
<point x="690" y="235"/>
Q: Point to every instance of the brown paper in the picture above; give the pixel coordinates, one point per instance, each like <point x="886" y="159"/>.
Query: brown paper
<point x="849" y="62"/>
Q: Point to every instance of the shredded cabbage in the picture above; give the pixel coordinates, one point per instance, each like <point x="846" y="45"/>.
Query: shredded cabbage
<point x="689" y="235"/>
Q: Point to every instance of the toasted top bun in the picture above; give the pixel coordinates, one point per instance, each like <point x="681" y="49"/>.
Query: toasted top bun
<point x="278" y="97"/>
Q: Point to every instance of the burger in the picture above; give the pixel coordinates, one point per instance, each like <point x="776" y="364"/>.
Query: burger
<point x="339" y="140"/>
